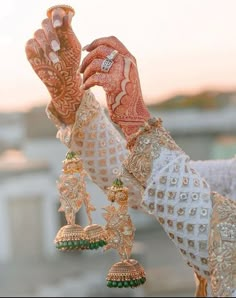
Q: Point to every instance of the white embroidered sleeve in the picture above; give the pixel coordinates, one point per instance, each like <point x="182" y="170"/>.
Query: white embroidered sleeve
<point x="94" y="136"/>
<point x="199" y="221"/>
<point x="173" y="192"/>
<point x="99" y="144"/>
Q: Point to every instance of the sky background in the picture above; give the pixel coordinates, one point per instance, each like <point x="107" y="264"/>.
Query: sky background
<point x="181" y="46"/>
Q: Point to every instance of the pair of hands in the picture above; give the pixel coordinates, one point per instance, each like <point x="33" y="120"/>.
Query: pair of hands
<point x="55" y="55"/>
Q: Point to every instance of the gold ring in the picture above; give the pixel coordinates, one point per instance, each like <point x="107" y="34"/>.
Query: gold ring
<point x="67" y="9"/>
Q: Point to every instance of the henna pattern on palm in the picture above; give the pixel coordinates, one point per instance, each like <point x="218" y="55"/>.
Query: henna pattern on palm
<point x="121" y="83"/>
<point x="126" y="105"/>
<point x="62" y="78"/>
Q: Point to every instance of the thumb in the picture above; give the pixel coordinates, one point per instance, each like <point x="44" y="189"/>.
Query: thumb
<point x="67" y="20"/>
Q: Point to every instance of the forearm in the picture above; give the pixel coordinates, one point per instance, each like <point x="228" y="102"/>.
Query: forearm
<point x="173" y="192"/>
<point x="98" y="143"/>
<point x="200" y="222"/>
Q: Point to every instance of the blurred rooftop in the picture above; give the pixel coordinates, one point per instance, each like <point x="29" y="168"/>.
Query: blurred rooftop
<point x="206" y="100"/>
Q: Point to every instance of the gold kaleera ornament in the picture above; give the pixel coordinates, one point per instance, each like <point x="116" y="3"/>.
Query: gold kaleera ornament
<point x="120" y="230"/>
<point x="73" y="194"/>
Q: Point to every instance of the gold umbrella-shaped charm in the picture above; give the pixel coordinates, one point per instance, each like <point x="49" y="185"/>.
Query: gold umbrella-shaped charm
<point x="120" y="230"/>
<point x="73" y="194"/>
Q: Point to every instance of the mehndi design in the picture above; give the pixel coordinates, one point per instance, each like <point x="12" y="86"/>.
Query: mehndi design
<point x="58" y="70"/>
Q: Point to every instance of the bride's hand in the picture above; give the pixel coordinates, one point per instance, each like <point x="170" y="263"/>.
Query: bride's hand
<point x="120" y="80"/>
<point x="54" y="53"/>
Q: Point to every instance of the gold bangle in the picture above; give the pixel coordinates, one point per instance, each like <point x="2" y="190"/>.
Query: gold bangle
<point x="147" y="126"/>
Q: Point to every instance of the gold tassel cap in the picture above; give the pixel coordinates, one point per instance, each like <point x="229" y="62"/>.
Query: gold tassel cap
<point x="126" y="274"/>
<point x="71" y="237"/>
<point x="96" y="236"/>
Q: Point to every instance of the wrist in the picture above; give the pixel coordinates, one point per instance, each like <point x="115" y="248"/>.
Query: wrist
<point x="131" y="125"/>
<point x="67" y="104"/>
<point x="72" y="133"/>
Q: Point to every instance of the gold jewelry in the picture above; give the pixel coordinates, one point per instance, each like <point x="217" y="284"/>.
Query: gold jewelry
<point x="145" y="146"/>
<point x="152" y="123"/>
<point x="120" y="235"/>
<point x="108" y="61"/>
<point x="73" y="194"/>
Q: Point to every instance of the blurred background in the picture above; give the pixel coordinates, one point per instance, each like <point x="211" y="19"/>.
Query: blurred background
<point x="186" y="52"/>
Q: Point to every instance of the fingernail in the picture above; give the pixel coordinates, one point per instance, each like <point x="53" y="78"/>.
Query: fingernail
<point x="81" y="87"/>
<point x="85" y="47"/>
<point x="57" y="23"/>
<point x="54" y="58"/>
<point x="55" y="45"/>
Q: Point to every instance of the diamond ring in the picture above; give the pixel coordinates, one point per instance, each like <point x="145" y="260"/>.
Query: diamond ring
<point x="107" y="63"/>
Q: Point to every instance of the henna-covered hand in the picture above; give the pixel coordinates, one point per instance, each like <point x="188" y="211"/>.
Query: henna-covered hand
<point x="121" y="84"/>
<point x="55" y="54"/>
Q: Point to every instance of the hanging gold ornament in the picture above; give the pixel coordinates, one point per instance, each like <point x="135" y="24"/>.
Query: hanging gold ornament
<point x="73" y="194"/>
<point x="120" y="232"/>
<point x="128" y="273"/>
<point x="71" y="237"/>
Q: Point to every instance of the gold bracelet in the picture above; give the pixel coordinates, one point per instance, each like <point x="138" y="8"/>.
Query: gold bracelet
<point x="145" y="146"/>
<point x="147" y="126"/>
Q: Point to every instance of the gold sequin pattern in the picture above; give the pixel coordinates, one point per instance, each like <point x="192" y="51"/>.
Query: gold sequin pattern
<point x="222" y="246"/>
<point x="145" y="146"/>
